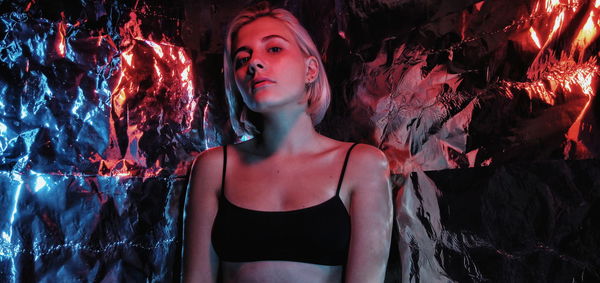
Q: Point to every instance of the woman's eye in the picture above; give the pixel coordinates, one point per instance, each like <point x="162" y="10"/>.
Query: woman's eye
<point x="274" y="49"/>
<point x="241" y="61"/>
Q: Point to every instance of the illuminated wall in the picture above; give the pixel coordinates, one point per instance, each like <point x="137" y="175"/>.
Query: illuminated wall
<point x="487" y="111"/>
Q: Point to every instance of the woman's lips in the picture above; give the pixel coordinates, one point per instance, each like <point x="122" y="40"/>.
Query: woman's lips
<point x="260" y="82"/>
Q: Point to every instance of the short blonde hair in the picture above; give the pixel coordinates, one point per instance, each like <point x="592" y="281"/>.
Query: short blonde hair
<point x="318" y="91"/>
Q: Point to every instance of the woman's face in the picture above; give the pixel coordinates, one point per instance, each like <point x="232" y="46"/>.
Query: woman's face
<point x="270" y="69"/>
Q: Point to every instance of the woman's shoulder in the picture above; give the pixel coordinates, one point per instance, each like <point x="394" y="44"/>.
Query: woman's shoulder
<point x="368" y="157"/>
<point x="368" y="152"/>
<point x="207" y="170"/>
<point x="367" y="165"/>
<point x="360" y="154"/>
<point x="363" y="155"/>
<point x="208" y="166"/>
<point x="209" y="157"/>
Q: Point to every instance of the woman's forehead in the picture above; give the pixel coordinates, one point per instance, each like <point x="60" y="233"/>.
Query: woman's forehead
<point x="262" y="28"/>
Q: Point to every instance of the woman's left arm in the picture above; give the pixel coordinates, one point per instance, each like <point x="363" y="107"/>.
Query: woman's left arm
<point x="371" y="215"/>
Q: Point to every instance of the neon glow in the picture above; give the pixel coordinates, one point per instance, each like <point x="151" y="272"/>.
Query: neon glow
<point x="171" y="93"/>
<point x="535" y="37"/>
<point x="551" y="4"/>
<point x="587" y="33"/>
<point x="127" y="57"/>
<point x="60" y="39"/>
<point x="156" y="47"/>
<point x="557" y="23"/>
<point x="568" y="75"/>
<point x="39" y="183"/>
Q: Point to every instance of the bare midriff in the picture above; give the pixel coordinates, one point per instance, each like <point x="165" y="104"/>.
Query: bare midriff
<point x="279" y="271"/>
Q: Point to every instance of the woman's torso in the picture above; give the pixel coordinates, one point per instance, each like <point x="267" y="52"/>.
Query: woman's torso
<point x="303" y="196"/>
<point x="279" y="271"/>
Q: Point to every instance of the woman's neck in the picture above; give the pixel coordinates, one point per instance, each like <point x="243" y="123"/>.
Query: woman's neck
<point x="286" y="132"/>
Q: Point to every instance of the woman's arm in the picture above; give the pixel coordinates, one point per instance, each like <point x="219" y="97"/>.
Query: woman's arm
<point x="200" y="260"/>
<point x="371" y="215"/>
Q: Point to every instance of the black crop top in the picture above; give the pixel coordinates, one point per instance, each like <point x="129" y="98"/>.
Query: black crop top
<point x="318" y="234"/>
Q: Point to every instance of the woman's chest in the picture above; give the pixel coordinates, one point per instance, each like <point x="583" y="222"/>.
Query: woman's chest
<point x="282" y="187"/>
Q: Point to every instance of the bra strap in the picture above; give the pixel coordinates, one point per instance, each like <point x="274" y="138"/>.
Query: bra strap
<point x="344" y="169"/>
<point x="224" y="169"/>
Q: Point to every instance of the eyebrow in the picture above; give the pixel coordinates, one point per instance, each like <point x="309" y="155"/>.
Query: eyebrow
<point x="268" y="37"/>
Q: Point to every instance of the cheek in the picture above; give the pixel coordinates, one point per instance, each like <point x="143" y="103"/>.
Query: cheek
<point x="239" y="81"/>
<point x="294" y="72"/>
<point x="238" y="74"/>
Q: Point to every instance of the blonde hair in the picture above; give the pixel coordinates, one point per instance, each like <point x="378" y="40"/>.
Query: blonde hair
<point x="318" y="90"/>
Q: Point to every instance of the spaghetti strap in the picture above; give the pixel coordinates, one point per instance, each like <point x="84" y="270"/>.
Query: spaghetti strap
<point x="337" y="192"/>
<point x="224" y="169"/>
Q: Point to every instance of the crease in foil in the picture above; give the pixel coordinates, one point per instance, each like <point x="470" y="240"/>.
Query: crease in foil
<point x="96" y="135"/>
<point x="77" y="228"/>
<point x="413" y="102"/>
<point x="431" y="117"/>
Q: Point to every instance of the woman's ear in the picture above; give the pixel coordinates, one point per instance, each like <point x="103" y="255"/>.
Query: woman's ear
<point x="312" y="69"/>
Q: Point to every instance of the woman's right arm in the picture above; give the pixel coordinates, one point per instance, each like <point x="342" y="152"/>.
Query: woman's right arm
<point x="200" y="260"/>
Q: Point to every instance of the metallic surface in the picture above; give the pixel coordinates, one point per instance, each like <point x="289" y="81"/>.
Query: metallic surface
<point x="96" y="135"/>
<point x="104" y="104"/>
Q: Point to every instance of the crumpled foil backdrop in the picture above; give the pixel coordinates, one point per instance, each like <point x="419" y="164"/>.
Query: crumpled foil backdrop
<point x="487" y="111"/>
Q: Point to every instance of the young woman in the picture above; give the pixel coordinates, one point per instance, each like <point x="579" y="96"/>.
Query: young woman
<point x="288" y="205"/>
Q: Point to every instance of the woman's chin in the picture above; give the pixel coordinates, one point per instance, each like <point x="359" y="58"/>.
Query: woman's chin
<point x="263" y="103"/>
<point x="264" y="107"/>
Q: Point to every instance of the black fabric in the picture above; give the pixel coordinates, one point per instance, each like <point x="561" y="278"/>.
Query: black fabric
<point x="318" y="234"/>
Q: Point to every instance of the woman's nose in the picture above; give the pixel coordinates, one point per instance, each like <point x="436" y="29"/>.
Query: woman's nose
<point x="255" y="63"/>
